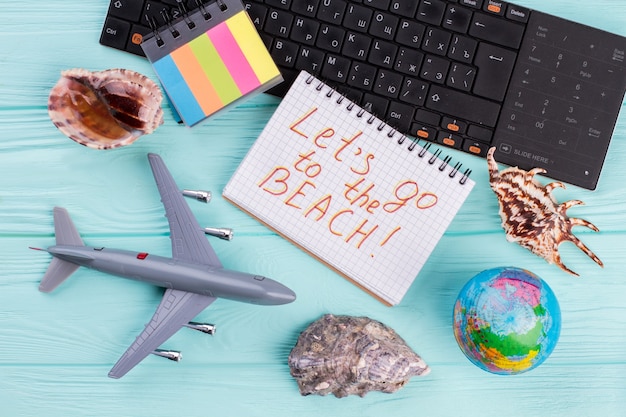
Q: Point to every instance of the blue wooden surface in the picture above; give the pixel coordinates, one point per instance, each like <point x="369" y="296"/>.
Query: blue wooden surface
<point x="56" y="349"/>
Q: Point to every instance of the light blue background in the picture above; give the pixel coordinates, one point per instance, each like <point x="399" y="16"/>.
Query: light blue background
<point x="56" y="349"/>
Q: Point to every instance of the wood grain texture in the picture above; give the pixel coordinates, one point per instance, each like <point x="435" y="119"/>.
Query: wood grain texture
<point x="57" y="348"/>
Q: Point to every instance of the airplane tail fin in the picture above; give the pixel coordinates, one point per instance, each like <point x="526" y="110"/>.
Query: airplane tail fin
<point x="64" y="229"/>
<point x="66" y="234"/>
<point x="58" y="271"/>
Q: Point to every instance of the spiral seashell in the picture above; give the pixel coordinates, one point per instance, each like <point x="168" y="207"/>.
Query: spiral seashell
<point x="105" y="109"/>
<point x="531" y="216"/>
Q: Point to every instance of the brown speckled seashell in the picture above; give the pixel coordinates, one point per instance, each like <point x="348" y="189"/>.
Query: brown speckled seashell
<point x="105" y="109"/>
<point x="530" y="214"/>
<point x="346" y="355"/>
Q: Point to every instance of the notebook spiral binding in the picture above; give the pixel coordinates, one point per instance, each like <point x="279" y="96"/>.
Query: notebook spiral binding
<point x="184" y="15"/>
<point x="392" y="132"/>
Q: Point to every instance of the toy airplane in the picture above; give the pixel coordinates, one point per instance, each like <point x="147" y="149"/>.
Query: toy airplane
<point x="193" y="277"/>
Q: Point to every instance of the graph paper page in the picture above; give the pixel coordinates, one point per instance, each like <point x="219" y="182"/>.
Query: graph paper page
<point x="348" y="189"/>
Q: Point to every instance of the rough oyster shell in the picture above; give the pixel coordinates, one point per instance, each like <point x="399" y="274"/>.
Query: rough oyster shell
<point x="346" y="355"/>
<point x="105" y="109"/>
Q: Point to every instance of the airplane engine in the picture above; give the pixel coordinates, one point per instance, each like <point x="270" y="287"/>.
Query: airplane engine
<point x="200" y="195"/>
<point x="201" y="327"/>
<point x="223" y="233"/>
<point x="172" y="355"/>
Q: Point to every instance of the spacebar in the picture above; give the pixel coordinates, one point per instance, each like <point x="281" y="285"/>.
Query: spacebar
<point x="463" y="106"/>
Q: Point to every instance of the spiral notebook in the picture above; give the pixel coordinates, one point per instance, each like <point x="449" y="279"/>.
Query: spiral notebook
<point x="209" y="59"/>
<point x="348" y="189"/>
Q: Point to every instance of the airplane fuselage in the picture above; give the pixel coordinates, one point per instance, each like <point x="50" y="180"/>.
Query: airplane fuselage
<point x="177" y="274"/>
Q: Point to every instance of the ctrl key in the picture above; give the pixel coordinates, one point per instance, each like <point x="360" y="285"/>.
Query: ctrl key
<point x="115" y="33"/>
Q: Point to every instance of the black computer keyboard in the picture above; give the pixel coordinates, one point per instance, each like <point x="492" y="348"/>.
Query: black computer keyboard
<point x="468" y="74"/>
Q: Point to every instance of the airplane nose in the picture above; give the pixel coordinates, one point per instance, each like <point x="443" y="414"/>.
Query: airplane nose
<point x="280" y="294"/>
<point x="289" y="296"/>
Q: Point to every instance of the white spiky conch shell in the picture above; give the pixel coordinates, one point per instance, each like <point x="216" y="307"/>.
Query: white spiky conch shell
<point x="105" y="109"/>
<point x="531" y="216"/>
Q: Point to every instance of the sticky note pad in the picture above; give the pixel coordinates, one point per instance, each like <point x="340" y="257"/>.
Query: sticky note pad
<point x="210" y="59"/>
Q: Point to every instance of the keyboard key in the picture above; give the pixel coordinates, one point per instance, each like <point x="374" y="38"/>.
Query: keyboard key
<point x="378" y="4"/>
<point x="154" y="10"/>
<point x="388" y="83"/>
<point x="450" y="139"/>
<point x="427" y="117"/>
<point x="400" y="115"/>
<point x="306" y="7"/>
<point x="278" y="23"/>
<point x="462" y="49"/>
<point x="310" y="59"/>
<point x="384" y="25"/>
<point x="517" y="13"/>
<point x="375" y="104"/>
<point x="175" y="11"/>
<point x="423" y="132"/>
<point x="476" y="4"/>
<point x="413" y="91"/>
<point x="457" y="18"/>
<point x="331" y="11"/>
<point x="280" y="4"/>
<point x="383" y="54"/>
<point x="497" y="30"/>
<point x="336" y="68"/>
<point x="480" y="133"/>
<point x="477" y="148"/>
<point x="454" y="125"/>
<point x="285" y="53"/>
<point x="305" y="31"/>
<point x="431" y="11"/>
<point x="495" y="7"/>
<point x="461" y="77"/>
<point x="410" y="33"/>
<point x="409" y="61"/>
<point x="495" y="66"/>
<point x="435" y="69"/>
<point x="126" y="9"/>
<point x="436" y="41"/>
<point x="115" y="33"/>
<point x="357" y="46"/>
<point x="137" y="33"/>
<point x="257" y="13"/>
<point x="406" y="8"/>
<point x="358" y="18"/>
<point x="330" y="38"/>
<point x="362" y="76"/>
<point x="463" y="106"/>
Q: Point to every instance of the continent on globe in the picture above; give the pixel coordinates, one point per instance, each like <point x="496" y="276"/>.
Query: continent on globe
<point x="506" y="320"/>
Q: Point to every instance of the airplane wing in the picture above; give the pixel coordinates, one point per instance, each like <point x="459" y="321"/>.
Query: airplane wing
<point x="188" y="239"/>
<point x="177" y="308"/>
<point x="189" y="243"/>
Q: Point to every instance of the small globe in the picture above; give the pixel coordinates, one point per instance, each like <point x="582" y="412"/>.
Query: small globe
<point x="506" y="320"/>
